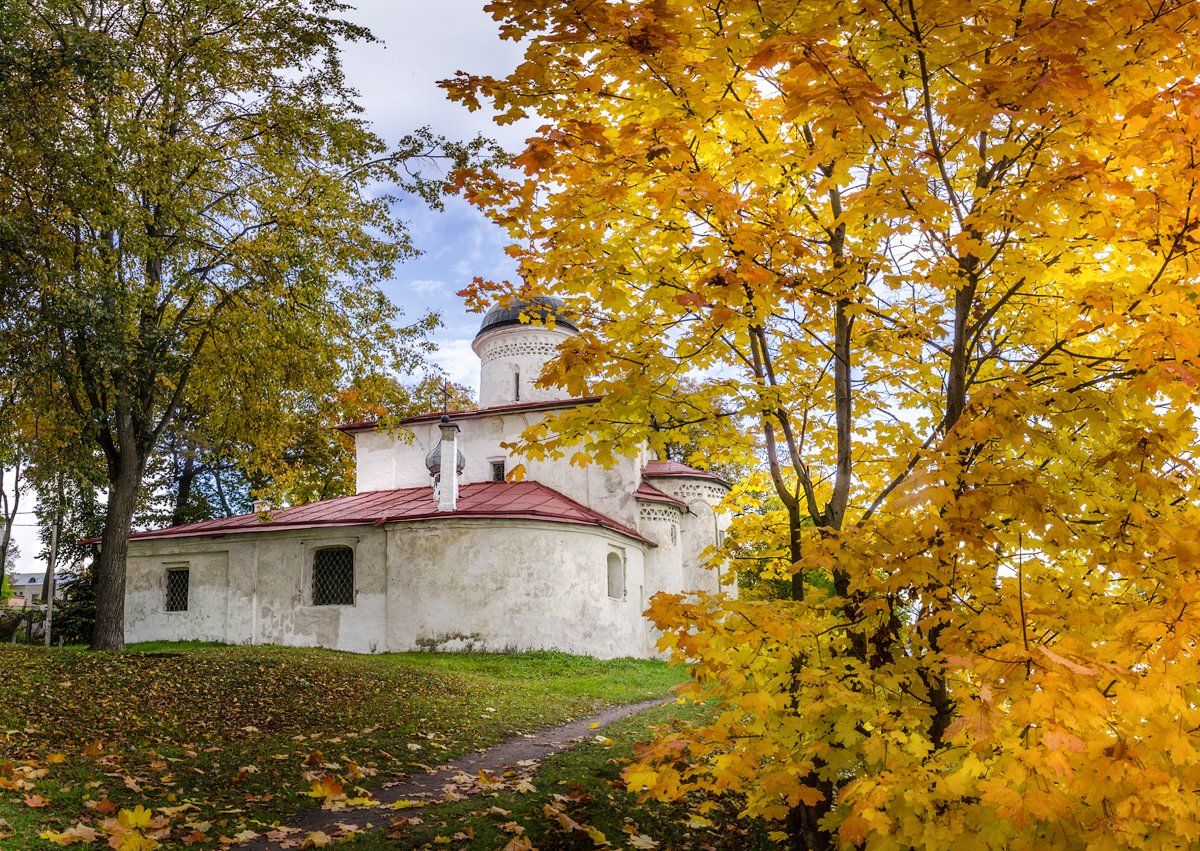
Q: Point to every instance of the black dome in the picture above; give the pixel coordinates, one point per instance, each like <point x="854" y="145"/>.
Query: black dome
<point x="433" y="461"/>
<point x="538" y="309"/>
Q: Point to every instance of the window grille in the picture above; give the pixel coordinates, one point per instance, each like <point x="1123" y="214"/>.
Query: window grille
<point x="333" y="577"/>
<point x="177" y="589"/>
<point x="497" y="471"/>
<point x="616" y="576"/>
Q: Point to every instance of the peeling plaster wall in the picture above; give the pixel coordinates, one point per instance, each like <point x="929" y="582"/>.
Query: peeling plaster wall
<point x="513" y="585"/>
<point x="256" y="589"/>
<point x="431" y="585"/>
<point x="285" y="615"/>
<point x="699" y="528"/>
<point x="661" y="523"/>
<point x="215" y="607"/>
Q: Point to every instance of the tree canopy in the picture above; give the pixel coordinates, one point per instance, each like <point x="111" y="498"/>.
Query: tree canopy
<point x="193" y="218"/>
<point x="931" y="264"/>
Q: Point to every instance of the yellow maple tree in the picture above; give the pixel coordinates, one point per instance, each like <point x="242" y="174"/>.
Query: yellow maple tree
<point x="930" y="265"/>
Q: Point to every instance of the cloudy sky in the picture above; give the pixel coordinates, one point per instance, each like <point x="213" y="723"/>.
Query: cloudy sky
<point x="420" y="43"/>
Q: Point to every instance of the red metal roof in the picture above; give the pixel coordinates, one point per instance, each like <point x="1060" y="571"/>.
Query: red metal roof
<point x="663" y="469"/>
<point x="495" y="410"/>
<point x="650" y="493"/>
<point x="492" y="500"/>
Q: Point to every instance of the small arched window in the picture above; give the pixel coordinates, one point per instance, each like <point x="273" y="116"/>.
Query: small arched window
<point x="616" y="576"/>
<point x="333" y="577"/>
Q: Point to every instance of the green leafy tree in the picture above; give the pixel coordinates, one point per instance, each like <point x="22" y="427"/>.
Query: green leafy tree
<point x="190" y="221"/>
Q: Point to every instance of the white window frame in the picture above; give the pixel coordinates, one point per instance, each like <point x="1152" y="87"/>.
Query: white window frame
<point x="492" y="462"/>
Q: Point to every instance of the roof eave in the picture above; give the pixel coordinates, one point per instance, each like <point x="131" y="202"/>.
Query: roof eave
<point x="443" y="515"/>
<point x="697" y="474"/>
<point x="494" y="411"/>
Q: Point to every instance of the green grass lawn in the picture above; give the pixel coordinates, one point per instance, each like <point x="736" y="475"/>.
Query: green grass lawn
<point x="234" y="736"/>
<point x="584" y="786"/>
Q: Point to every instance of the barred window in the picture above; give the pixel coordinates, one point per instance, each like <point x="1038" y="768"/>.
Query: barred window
<point x="616" y="576"/>
<point x="333" y="577"/>
<point x="177" y="589"/>
<point x="498" y="471"/>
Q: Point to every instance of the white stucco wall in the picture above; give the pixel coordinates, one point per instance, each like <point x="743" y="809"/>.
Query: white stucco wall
<point x="386" y="461"/>
<point x="209" y="593"/>
<point x="661" y="523"/>
<point x="700" y="526"/>
<point x="440" y="584"/>
<point x="256" y="589"/>
<point x="513" y="585"/>
<point x="513" y="356"/>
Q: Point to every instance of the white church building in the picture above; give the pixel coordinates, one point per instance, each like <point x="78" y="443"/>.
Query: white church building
<point x="430" y="555"/>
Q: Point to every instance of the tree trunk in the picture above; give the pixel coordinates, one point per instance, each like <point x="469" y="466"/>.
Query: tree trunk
<point x="804" y="830"/>
<point x="183" y="489"/>
<point x="794" y="553"/>
<point x="114" y="542"/>
<point x="803" y="821"/>
<point x="225" y="511"/>
<point x="10" y="508"/>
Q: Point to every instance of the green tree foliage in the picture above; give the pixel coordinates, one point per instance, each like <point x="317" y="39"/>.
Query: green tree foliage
<point x="190" y="223"/>
<point x="81" y="517"/>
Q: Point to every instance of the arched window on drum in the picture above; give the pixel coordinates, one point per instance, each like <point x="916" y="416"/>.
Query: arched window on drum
<point x="616" y="576"/>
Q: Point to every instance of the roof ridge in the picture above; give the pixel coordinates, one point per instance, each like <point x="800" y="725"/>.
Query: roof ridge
<point x="670" y="467"/>
<point x="655" y="494"/>
<point x="396" y="505"/>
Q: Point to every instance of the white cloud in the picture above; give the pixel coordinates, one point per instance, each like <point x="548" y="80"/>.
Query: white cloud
<point x="459" y="362"/>
<point x="427" y="286"/>
<point x="420" y="44"/>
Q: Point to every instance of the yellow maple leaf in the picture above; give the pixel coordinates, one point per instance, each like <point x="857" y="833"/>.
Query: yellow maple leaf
<point x="135" y="819"/>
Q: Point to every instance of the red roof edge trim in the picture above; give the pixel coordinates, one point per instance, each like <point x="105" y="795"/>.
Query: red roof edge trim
<point x="650" y="493"/>
<point x="482" y="500"/>
<point x="217" y="531"/>
<point x="674" y="469"/>
<point x="611" y="526"/>
<point x="495" y="410"/>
